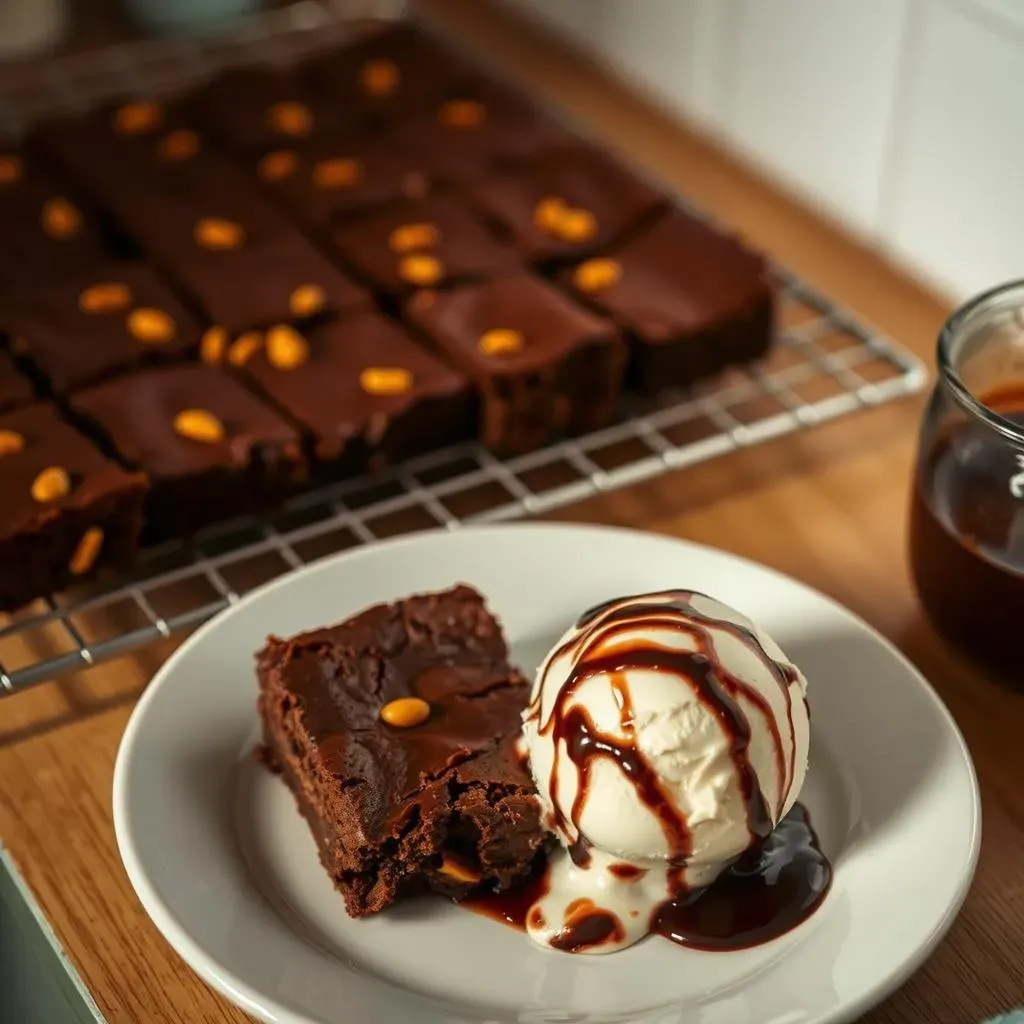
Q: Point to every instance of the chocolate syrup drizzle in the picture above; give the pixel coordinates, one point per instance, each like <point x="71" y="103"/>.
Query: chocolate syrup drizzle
<point x="598" y="648"/>
<point x="611" y="640"/>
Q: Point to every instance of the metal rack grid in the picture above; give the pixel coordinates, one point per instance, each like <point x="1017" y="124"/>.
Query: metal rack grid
<point x="825" y="364"/>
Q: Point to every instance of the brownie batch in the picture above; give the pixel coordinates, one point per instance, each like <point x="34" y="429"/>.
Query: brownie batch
<point x="291" y="275"/>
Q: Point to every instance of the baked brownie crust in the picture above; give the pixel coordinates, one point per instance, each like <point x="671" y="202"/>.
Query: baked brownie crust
<point x="442" y="805"/>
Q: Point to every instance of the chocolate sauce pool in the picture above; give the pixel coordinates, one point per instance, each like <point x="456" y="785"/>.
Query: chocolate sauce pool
<point x="773" y="888"/>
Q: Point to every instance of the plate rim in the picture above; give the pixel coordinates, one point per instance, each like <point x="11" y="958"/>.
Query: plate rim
<point x="237" y="990"/>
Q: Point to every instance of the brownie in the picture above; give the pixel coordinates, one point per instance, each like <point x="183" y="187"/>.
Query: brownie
<point x="325" y="180"/>
<point x="285" y="279"/>
<point x="117" y="145"/>
<point x="15" y="388"/>
<point x="210" y="449"/>
<point x="442" y="805"/>
<point x="475" y="130"/>
<point x="571" y="202"/>
<point x="543" y="364"/>
<point x="68" y="512"/>
<point x="363" y="389"/>
<point x="430" y="243"/>
<point x="48" y="231"/>
<point x="390" y="73"/>
<point x="96" y="324"/>
<point x="692" y="300"/>
<point x="249" y="109"/>
<point x="203" y="204"/>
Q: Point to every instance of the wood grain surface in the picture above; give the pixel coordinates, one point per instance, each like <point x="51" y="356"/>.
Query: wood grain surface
<point x="827" y="506"/>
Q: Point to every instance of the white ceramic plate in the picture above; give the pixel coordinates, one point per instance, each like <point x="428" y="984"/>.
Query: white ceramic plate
<point x="226" y="868"/>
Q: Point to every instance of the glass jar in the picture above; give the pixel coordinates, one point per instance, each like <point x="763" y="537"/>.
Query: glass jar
<point x="967" y="510"/>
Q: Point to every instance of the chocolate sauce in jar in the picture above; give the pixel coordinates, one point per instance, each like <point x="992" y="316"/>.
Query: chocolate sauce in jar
<point x="967" y="534"/>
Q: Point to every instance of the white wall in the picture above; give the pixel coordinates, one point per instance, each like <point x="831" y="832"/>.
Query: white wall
<point x="901" y="117"/>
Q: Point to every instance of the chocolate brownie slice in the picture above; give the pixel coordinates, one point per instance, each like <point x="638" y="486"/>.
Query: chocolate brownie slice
<point x="68" y="513"/>
<point x="399" y="807"/>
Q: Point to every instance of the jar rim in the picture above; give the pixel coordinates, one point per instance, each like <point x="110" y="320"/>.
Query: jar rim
<point x="948" y="335"/>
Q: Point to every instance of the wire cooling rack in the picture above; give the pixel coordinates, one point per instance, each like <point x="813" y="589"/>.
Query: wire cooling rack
<point x="825" y="364"/>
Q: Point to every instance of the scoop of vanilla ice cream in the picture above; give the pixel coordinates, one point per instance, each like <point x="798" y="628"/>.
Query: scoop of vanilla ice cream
<point x="696" y="733"/>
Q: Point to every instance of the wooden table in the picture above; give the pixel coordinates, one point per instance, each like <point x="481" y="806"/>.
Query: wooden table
<point x="826" y="506"/>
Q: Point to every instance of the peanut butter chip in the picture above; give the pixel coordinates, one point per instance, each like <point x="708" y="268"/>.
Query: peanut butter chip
<point x="11" y="169"/>
<point x="547" y="214"/>
<point x="181" y="144"/>
<point x="379" y="77"/>
<point x="420" y="269"/>
<point x="51" y="484"/>
<point x="11" y="442"/>
<point x="407" y="237"/>
<point x="576" y="226"/>
<point x="290" y="118"/>
<point x="219" y="233"/>
<point x="460" y="872"/>
<point x="462" y="113"/>
<point x="136" y="118"/>
<point x="501" y="342"/>
<point x="278" y="165"/>
<point x="597" y="274"/>
<point x="385" y="380"/>
<point x="61" y="218"/>
<point x="337" y="172"/>
<point x="307" y="300"/>
<point x="199" y="425"/>
<point x="244" y="347"/>
<point x="87" y="552"/>
<point x="151" y="326"/>
<point x="286" y="348"/>
<point x="405" y="712"/>
<point x="105" y="297"/>
<point x="213" y="345"/>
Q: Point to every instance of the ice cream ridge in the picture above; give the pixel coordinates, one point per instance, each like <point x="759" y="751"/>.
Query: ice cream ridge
<point x="668" y="738"/>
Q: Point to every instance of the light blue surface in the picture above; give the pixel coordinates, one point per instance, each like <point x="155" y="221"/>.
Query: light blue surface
<point x="38" y="984"/>
<point x="189" y="15"/>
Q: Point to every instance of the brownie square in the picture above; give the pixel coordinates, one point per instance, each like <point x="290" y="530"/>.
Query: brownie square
<point x="210" y="449"/>
<point x="441" y="805"/>
<point x="543" y="364"/>
<point x="325" y="180"/>
<point x="692" y="300"/>
<point x="68" y="513"/>
<point x="15" y="388"/>
<point x="390" y="73"/>
<point x="116" y="145"/>
<point x="284" y="279"/>
<point x="204" y="205"/>
<point x="97" y="324"/>
<point x="432" y="243"/>
<point x="571" y="202"/>
<point x="475" y="130"/>
<point x="48" y="232"/>
<point x="362" y="388"/>
<point x="249" y="109"/>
